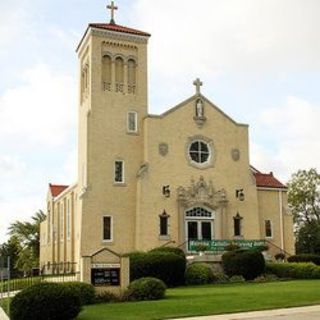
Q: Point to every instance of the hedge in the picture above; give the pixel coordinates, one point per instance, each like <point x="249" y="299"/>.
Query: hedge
<point x="247" y="263"/>
<point x="305" y="258"/>
<point x="45" y="301"/>
<point x="199" y="273"/>
<point x="174" y="250"/>
<point x="85" y="291"/>
<point x="295" y="270"/>
<point x="146" y="289"/>
<point x="168" y="267"/>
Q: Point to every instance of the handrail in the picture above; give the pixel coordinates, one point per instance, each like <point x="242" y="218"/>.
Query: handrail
<point x="281" y="250"/>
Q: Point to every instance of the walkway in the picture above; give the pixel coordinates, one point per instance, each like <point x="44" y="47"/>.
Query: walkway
<point x="301" y="313"/>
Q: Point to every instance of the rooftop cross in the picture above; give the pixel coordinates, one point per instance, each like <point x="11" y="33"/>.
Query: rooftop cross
<point x="198" y="84"/>
<point x="112" y="8"/>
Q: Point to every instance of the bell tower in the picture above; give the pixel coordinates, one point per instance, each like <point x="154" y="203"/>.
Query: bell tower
<point x="112" y="104"/>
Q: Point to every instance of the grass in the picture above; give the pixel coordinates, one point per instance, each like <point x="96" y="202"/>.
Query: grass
<point x="4" y="305"/>
<point x="210" y="300"/>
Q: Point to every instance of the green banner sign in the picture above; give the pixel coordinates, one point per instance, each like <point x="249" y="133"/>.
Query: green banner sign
<point x="219" y="245"/>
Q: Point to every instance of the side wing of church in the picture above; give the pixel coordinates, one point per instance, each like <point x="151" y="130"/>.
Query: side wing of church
<point x="179" y="178"/>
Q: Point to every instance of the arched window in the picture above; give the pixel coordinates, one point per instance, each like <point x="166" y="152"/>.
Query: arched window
<point x="237" y="225"/>
<point x="106" y="73"/>
<point x="164" y="225"/>
<point x="131" y="76"/>
<point x="119" y="74"/>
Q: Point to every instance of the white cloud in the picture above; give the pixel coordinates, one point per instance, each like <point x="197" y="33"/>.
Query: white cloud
<point x="20" y="208"/>
<point x="39" y="112"/>
<point x="293" y="128"/>
<point x="11" y="166"/>
<point x="246" y="35"/>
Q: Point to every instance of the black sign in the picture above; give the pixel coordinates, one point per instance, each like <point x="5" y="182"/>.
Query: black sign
<point x="105" y="277"/>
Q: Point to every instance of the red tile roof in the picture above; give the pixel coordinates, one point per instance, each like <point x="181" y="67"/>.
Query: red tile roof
<point x="118" y="28"/>
<point x="267" y="180"/>
<point x="56" y="189"/>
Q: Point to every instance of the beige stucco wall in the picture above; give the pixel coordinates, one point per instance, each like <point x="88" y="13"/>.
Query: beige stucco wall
<point x="107" y="140"/>
<point x="174" y="169"/>
<point x="273" y="205"/>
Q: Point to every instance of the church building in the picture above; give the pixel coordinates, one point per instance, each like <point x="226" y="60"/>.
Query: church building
<point x="180" y="178"/>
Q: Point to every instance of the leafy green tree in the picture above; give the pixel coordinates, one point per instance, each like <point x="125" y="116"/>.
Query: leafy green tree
<point x="304" y="197"/>
<point x="308" y="238"/>
<point x="28" y="235"/>
<point x="304" y="202"/>
<point x="12" y="249"/>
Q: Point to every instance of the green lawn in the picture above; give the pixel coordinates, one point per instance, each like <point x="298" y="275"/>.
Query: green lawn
<point x="211" y="299"/>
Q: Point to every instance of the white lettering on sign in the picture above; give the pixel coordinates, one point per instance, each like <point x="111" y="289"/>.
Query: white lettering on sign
<point x="105" y="265"/>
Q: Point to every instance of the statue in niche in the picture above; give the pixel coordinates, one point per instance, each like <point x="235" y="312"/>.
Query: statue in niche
<point x="199" y="109"/>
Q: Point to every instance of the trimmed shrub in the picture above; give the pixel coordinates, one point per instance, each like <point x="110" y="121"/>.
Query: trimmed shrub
<point x="174" y="250"/>
<point x="199" y="273"/>
<point x="294" y="270"/>
<point x="45" y="301"/>
<point x="85" y="291"/>
<point x="266" y="278"/>
<point x="106" y="296"/>
<point x="220" y="277"/>
<point x="237" y="279"/>
<point x="305" y="258"/>
<point x="247" y="263"/>
<point x="231" y="247"/>
<point x="168" y="267"/>
<point x="146" y="289"/>
<point x="280" y="256"/>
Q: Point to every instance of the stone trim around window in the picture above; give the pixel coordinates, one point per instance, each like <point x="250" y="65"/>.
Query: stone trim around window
<point x="212" y="155"/>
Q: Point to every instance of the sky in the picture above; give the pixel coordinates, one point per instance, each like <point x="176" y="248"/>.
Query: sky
<point x="259" y="61"/>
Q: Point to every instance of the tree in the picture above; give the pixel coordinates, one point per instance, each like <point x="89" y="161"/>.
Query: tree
<point x="308" y="238"/>
<point x="28" y="235"/>
<point x="11" y="249"/>
<point x="304" y="197"/>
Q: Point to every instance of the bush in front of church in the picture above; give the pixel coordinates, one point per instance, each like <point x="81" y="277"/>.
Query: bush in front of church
<point x="146" y="289"/>
<point x="166" y="266"/>
<point x="247" y="263"/>
<point x="45" y="301"/>
<point x="305" y="257"/>
<point x="85" y="291"/>
<point x="294" y="270"/>
<point x="173" y="250"/>
<point x="199" y="273"/>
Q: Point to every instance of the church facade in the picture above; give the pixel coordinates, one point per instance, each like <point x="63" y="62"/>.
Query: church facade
<point x="151" y="180"/>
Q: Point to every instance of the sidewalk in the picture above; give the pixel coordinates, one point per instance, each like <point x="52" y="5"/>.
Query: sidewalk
<point x="3" y="315"/>
<point x="301" y="313"/>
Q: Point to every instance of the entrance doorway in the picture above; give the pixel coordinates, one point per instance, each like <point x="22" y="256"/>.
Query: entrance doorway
<point x="199" y="224"/>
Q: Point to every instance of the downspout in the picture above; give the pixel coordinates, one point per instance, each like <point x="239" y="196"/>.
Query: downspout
<point x="281" y="220"/>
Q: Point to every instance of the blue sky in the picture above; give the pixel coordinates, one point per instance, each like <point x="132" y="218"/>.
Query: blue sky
<point x="258" y="59"/>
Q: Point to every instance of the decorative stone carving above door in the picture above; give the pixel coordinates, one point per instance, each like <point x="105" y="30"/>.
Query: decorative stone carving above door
<point x="201" y="192"/>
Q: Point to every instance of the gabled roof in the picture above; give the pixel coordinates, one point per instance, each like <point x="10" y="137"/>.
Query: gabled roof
<point x="266" y="180"/>
<point x="195" y="97"/>
<point x="118" y="28"/>
<point x="56" y="189"/>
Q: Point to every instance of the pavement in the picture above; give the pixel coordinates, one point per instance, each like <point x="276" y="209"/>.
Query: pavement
<point x="301" y="313"/>
<point x="3" y="315"/>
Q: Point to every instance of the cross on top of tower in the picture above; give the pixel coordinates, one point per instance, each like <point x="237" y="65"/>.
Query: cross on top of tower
<point x="112" y="9"/>
<point x="197" y="83"/>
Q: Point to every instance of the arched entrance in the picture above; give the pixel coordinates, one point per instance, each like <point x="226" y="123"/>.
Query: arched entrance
<point x="199" y="224"/>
